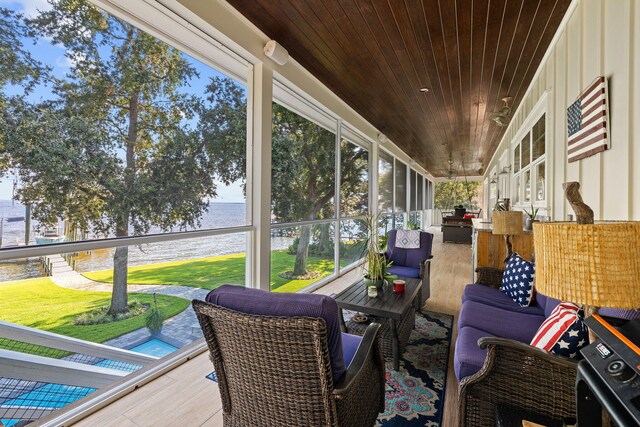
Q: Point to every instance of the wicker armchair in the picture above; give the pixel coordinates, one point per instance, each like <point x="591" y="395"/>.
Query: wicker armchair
<point x="412" y="263"/>
<point x="520" y="376"/>
<point x="276" y="371"/>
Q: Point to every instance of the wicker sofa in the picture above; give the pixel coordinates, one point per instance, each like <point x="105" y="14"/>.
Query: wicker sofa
<point x="499" y="373"/>
<point x="497" y="368"/>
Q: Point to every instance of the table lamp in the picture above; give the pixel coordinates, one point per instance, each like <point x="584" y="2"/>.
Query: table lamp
<point x="594" y="265"/>
<point x="508" y="223"/>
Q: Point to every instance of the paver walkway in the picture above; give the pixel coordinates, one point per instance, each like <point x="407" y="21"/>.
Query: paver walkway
<point x="182" y="328"/>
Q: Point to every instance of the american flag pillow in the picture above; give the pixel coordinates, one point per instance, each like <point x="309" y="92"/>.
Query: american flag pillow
<point x="517" y="280"/>
<point x="563" y="332"/>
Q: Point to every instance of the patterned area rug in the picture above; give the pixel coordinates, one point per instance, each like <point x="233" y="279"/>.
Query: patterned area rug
<point x="415" y="393"/>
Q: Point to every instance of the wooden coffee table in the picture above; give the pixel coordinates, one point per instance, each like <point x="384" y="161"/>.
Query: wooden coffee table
<point x="388" y="304"/>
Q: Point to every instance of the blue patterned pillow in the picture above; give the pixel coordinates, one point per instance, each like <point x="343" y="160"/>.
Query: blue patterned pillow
<point x="517" y="280"/>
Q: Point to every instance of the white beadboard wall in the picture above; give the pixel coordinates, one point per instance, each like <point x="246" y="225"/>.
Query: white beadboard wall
<point x="602" y="37"/>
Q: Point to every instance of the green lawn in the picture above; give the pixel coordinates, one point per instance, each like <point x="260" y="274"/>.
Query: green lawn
<point x="39" y="303"/>
<point x="209" y="273"/>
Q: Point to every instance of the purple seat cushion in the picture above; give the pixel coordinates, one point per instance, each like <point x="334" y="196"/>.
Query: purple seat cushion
<point x="350" y="344"/>
<point x="256" y="301"/>
<point x="497" y="298"/>
<point x="401" y="271"/>
<point x="468" y="357"/>
<point x="409" y="257"/>
<point x="620" y="313"/>
<point x="502" y="323"/>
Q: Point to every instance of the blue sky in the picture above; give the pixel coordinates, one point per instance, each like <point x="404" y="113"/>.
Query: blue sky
<point x="55" y="56"/>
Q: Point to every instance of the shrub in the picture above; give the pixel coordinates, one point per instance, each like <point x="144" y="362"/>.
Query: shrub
<point x="100" y="315"/>
<point x="155" y="317"/>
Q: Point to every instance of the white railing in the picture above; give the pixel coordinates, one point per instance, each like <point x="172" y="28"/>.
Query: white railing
<point x="436" y="216"/>
<point x="29" y="367"/>
<point x="60" y="342"/>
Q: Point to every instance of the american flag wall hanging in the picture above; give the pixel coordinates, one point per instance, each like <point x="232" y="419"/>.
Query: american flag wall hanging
<point x="587" y="122"/>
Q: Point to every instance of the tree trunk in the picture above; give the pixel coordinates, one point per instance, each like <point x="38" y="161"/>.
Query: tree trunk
<point x="302" y="253"/>
<point x="120" y="270"/>
<point x="121" y="257"/>
<point x="119" y="293"/>
<point x="324" y="241"/>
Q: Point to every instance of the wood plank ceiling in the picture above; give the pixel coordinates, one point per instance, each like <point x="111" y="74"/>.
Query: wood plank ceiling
<point x="377" y="54"/>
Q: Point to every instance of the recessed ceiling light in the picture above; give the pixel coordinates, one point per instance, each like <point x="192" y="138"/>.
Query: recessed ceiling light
<point x="424" y="89"/>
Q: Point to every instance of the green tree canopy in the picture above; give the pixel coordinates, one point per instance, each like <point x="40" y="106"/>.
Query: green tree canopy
<point x="17" y="68"/>
<point x="454" y="193"/>
<point x="114" y="152"/>
<point x="223" y="127"/>
<point x="303" y="161"/>
<point x="302" y="168"/>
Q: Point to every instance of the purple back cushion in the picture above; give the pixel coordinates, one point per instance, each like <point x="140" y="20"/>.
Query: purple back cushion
<point x="259" y="302"/>
<point x="548" y="304"/>
<point x="409" y="257"/>
<point x="621" y="313"/>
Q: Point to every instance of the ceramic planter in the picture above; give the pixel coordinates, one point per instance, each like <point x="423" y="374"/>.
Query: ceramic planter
<point x="528" y="224"/>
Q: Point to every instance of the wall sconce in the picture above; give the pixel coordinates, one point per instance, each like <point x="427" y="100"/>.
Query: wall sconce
<point x="276" y="52"/>
<point x="493" y="179"/>
<point x="382" y="138"/>
<point x="505" y="170"/>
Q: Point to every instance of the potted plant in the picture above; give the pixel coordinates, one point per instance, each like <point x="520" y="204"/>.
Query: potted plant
<point x="154" y="318"/>
<point x="531" y="218"/>
<point x="413" y="225"/>
<point x="375" y="263"/>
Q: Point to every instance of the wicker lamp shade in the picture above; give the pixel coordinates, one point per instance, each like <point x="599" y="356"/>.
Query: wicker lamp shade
<point x="590" y="264"/>
<point x="507" y="222"/>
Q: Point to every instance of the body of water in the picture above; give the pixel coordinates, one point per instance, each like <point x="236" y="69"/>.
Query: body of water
<point x="219" y="215"/>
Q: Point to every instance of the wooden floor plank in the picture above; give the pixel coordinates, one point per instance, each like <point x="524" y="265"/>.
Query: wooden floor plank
<point x="450" y="272"/>
<point x="107" y="418"/>
<point x="113" y="411"/>
<point x="214" y="421"/>
<point x="184" y="397"/>
<point x="189" y="400"/>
